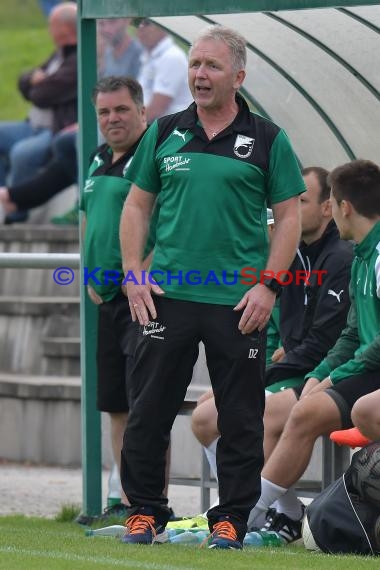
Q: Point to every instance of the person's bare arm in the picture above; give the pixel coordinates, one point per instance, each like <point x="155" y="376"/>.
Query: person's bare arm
<point x="134" y="225"/>
<point x="157" y="106"/>
<point x="95" y="298"/>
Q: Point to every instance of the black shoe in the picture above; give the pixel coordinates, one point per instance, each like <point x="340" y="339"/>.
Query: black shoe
<point x="85" y="520"/>
<point x="143" y="527"/>
<point x="268" y="518"/>
<point x="118" y="511"/>
<point x="286" y="528"/>
<point x="225" y="534"/>
<point x="172" y="517"/>
<point x="17" y="217"/>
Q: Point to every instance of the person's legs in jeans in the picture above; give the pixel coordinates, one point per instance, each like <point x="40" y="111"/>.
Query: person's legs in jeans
<point x="64" y="148"/>
<point x="48" y="5"/>
<point x="27" y="156"/>
<point x="11" y="132"/>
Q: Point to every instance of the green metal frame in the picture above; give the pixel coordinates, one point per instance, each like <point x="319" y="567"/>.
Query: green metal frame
<point x="113" y="8"/>
<point x="88" y="12"/>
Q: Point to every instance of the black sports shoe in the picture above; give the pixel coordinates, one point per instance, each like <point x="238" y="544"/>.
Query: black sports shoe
<point x="118" y="511"/>
<point x="85" y="520"/>
<point x="16" y="217"/>
<point x="268" y="518"/>
<point x="286" y="528"/>
<point x="143" y="527"/>
<point x="225" y="534"/>
<point x="270" y="514"/>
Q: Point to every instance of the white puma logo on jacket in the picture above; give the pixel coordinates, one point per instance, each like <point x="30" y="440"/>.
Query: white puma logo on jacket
<point x="337" y="295"/>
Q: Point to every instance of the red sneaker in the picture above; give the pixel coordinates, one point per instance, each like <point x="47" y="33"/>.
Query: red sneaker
<point x="352" y="437"/>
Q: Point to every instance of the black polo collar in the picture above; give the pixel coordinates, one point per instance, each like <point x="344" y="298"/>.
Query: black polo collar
<point x="189" y="118"/>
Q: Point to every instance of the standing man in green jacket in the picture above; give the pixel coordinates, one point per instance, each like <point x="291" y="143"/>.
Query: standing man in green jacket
<point x="121" y="118"/>
<point x="351" y="368"/>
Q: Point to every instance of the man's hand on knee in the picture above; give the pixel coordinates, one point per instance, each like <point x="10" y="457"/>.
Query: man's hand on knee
<point x="313" y="385"/>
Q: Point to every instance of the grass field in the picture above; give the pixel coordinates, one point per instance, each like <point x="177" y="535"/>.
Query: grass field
<point x="39" y="544"/>
<point x="24" y="43"/>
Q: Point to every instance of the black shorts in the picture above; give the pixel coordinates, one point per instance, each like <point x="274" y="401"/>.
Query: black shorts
<point x="348" y="391"/>
<point x="115" y="350"/>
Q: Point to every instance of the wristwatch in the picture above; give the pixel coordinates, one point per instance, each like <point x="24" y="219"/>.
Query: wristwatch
<point x="273" y="285"/>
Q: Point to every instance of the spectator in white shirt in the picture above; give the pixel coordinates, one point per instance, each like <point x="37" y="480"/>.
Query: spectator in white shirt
<point x="163" y="73"/>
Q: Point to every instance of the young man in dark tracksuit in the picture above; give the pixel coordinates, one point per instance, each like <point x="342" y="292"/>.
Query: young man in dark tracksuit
<point x="313" y="312"/>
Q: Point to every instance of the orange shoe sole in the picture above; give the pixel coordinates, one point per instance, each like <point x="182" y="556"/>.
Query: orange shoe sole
<point x="351" y="437"/>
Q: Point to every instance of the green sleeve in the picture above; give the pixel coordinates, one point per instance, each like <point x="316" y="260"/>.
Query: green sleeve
<point x="368" y="360"/>
<point x="284" y="178"/>
<point x="143" y="170"/>
<point x="343" y="350"/>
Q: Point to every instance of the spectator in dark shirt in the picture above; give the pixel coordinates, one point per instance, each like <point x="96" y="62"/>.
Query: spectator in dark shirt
<point x="52" y="90"/>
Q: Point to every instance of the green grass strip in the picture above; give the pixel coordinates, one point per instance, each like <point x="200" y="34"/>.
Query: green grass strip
<point x="36" y="544"/>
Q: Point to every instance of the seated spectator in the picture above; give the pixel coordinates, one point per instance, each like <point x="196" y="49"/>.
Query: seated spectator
<point x="52" y="90"/>
<point x="119" y="54"/>
<point x="163" y="73"/>
<point x="58" y="174"/>
<point x="311" y="317"/>
<point x="350" y="370"/>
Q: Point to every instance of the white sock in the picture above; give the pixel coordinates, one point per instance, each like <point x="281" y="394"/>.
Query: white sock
<point x="270" y="492"/>
<point x="210" y="452"/>
<point x="290" y="505"/>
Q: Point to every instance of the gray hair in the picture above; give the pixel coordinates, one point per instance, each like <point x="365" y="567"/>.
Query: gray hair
<point x="117" y="82"/>
<point x="234" y="41"/>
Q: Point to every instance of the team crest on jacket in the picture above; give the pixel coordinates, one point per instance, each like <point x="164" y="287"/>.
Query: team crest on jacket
<point x="243" y="146"/>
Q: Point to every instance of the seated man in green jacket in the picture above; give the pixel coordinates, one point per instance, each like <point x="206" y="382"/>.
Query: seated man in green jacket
<point x="351" y="368"/>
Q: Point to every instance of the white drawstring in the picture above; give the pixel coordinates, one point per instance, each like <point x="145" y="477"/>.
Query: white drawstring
<point x="308" y="271"/>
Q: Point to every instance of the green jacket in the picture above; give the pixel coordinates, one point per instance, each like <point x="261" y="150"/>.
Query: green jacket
<point x="357" y="350"/>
